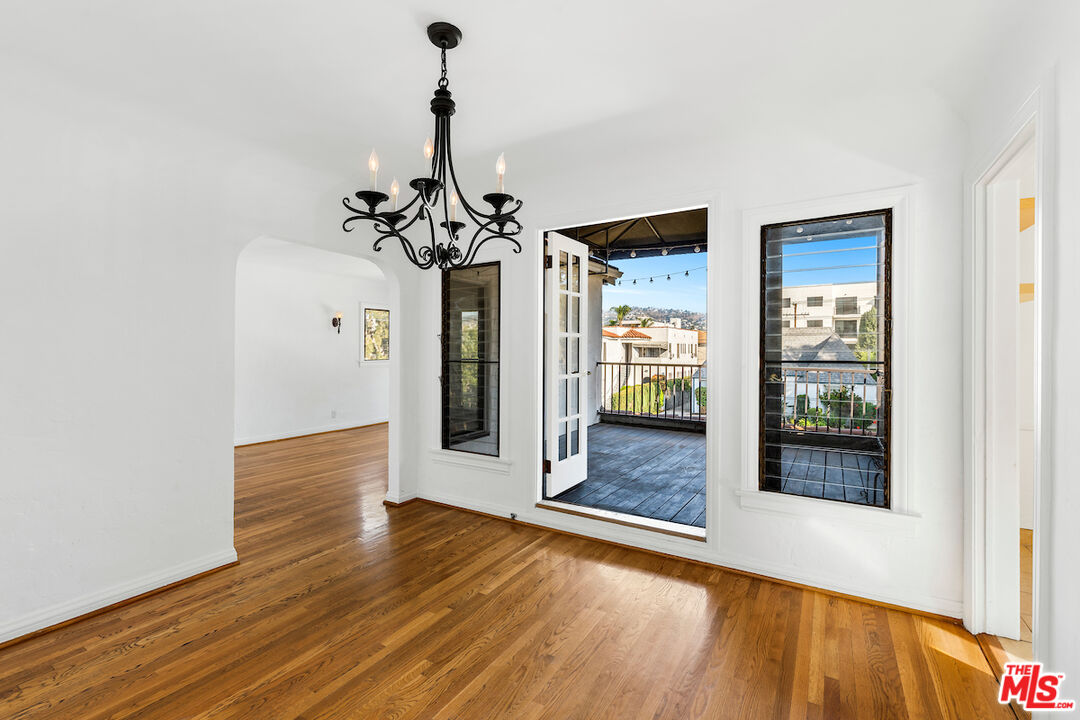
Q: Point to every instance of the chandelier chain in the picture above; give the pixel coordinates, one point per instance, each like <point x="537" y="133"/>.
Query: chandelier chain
<point x="443" y="82"/>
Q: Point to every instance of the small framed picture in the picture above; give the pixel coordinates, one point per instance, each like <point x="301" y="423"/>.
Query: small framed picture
<point x="376" y="337"/>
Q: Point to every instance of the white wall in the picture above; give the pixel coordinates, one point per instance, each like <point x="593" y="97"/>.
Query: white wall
<point x="119" y="235"/>
<point x="637" y="164"/>
<point x="295" y="374"/>
<point x="1040" y="52"/>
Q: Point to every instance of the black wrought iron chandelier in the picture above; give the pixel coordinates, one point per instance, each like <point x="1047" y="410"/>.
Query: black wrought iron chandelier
<point x="442" y="248"/>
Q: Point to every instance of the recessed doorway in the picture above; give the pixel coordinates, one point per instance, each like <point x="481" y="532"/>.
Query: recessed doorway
<point x="626" y="381"/>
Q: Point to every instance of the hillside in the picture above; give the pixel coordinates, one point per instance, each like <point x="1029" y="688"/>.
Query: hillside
<point x="691" y="320"/>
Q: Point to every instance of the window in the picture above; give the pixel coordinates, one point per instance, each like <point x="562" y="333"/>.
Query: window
<point x="470" y="359"/>
<point x="824" y="404"/>
<point x="649" y="352"/>
<point x="376" y="334"/>
<point x="847" y="328"/>
<point x="787" y="302"/>
<point x="847" y="306"/>
<point x="787" y="324"/>
<point x="815" y="301"/>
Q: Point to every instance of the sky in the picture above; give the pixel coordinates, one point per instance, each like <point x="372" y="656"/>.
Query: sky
<point x="680" y="293"/>
<point x="838" y="255"/>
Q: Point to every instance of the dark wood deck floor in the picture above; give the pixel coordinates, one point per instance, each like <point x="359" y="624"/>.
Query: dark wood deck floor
<point x="833" y="475"/>
<point x="646" y="472"/>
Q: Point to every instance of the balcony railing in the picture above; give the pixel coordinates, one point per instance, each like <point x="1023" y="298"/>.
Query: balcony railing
<point x="830" y="400"/>
<point x="660" y="391"/>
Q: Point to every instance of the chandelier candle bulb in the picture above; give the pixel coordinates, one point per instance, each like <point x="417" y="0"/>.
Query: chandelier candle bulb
<point x="500" y="171"/>
<point x="394" y="190"/>
<point x="373" y="168"/>
<point x="453" y="207"/>
<point x="429" y="149"/>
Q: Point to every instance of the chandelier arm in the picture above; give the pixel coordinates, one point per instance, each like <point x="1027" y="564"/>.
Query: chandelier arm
<point x="406" y="246"/>
<point x="474" y="245"/>
<point x="472" y="211"/>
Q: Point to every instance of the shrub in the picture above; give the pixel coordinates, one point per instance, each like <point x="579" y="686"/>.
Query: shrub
<point x="645" y="398"/>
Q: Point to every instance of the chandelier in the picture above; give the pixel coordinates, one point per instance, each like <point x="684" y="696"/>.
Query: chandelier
<point x="438" y="195"/>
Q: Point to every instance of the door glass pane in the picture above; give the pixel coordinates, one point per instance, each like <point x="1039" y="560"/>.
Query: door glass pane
<point x="562" y="441"/>
<point x="575" y="383"/>
<point x="563" y="324"/>
<point x="575" y="355"/>
<point x="562" y="398"/>
<point x="574" y="437"/>
<point x="575" y="316"/>
<point x="562" y="270"/>
<point x="575" y="275"/>
<point x="562" y="356"/>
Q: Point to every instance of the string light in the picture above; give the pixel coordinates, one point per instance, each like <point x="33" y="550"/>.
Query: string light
<point x="697" y="248"/>
<point x="633" y="281"/>
<point x="633" y="253"/>
<point x="663" y="252"/>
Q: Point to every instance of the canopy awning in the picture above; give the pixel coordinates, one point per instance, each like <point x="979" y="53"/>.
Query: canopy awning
<point x="680" y="232"/>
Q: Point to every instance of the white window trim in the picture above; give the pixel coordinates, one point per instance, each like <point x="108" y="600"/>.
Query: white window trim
<point x="364" y="306"/>
<point x="901" y="516"/>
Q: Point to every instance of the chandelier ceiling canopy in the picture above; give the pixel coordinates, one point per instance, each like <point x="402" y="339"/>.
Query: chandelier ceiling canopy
<point x="438" y="199"/>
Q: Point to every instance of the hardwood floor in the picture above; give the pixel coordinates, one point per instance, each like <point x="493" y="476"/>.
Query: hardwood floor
<point x="341" y="608"/>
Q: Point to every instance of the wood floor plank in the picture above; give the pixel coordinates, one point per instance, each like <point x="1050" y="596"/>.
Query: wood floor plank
<point x="343" y="608"/>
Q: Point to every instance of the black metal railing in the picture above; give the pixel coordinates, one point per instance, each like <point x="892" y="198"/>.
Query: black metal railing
<point x="653" y="390"/>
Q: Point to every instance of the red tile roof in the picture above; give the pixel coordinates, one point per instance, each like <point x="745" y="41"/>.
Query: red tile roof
<point x="632" y="333"/>
<point x="701" y="337"/>
<point x="611" y="333"/>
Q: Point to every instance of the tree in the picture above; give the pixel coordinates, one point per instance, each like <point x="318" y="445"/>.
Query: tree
<point x="612" y="322"/>
<point x="620" y="312"/>
<point x="866" y="347"/>
<point x="646" y="321"/>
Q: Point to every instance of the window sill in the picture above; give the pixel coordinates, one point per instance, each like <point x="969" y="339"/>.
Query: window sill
<point x="473" y="461"/>
<point x="894" y="521"/>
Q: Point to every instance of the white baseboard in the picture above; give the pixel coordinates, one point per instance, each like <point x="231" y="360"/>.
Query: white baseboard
<point x="694" y="550"/>
<point x="285" y="435"/>
<point x="60" y="612"/>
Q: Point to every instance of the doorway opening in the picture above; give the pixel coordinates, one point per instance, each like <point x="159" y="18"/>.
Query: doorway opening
<point x="1007" y="233"/>
<point x="625" y="370"/>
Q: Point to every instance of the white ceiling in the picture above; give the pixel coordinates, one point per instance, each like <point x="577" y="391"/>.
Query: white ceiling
<point x="325" y="80"/>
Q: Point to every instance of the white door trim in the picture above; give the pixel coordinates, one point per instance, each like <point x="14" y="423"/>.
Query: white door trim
<point x="637" y="207"/>
<point x="1031" y="123"/>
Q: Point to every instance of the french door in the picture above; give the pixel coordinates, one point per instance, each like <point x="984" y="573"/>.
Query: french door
<point x="567" y="298"/>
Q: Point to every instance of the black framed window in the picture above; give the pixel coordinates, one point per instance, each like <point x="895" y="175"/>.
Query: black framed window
<point x="825" y="399"/>
<point x="470" y="359"/>
<point x="815" y="301"/>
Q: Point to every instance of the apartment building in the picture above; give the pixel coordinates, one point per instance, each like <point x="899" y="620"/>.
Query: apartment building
<point x="836" y="306"/>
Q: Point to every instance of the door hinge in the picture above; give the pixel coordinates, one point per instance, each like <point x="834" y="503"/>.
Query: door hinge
<point x="548" y="262"/>
<point x="545" y="466"/>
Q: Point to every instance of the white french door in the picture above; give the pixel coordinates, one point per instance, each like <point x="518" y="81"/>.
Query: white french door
<point x="567" y="297"/>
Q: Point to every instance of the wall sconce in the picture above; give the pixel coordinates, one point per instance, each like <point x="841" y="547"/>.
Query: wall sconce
<point x="336" y="322"/>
